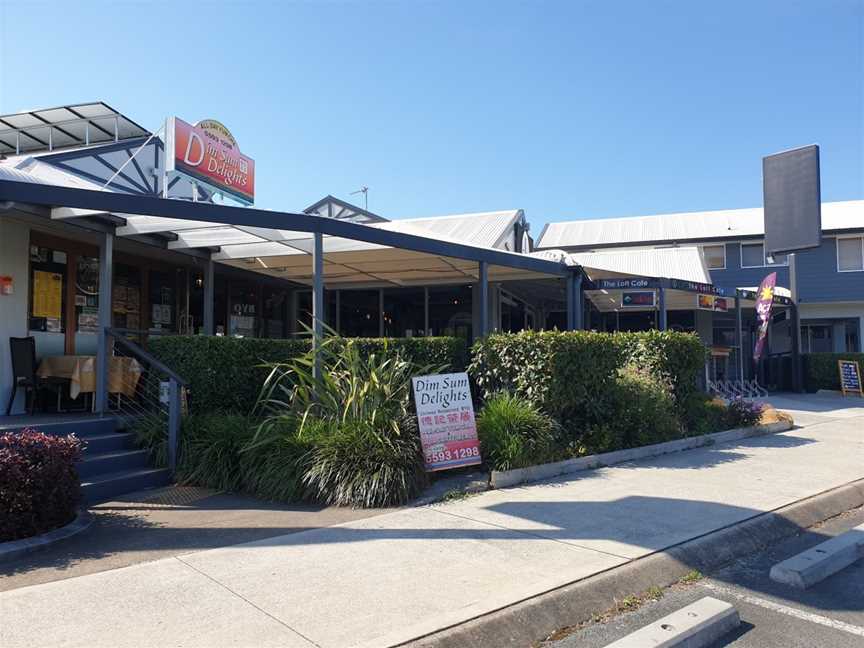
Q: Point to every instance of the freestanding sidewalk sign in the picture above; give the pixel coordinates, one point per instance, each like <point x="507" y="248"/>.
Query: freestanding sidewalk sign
<point x="850" y="377"/>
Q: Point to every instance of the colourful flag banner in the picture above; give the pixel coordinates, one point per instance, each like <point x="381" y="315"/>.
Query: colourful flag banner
<point x="764" y="300"/>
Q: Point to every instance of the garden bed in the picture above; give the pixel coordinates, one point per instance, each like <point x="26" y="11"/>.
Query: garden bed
<point x="506" y="478"/>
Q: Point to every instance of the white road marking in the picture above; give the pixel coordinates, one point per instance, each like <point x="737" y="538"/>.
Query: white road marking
<point x="784" y="609"/>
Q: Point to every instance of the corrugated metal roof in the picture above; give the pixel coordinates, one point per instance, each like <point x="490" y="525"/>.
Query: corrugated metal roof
<point x="690" y="226"/>
<point x="483" y="229"/>
<point x="685" y="263"/>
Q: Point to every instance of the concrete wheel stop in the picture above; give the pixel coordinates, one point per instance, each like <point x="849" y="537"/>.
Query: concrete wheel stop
<point x="694" y="626"/>
<point x="824" y="560"/>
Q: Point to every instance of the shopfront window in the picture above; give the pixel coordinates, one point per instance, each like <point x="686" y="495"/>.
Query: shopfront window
<point x="404" y="312"/>
<point x="87" y="294"/>
<point x="243" y="309"/>
<point x="274" y="310"/>
<point x="47" y="290"/>
<point x="359" y="313"/>
<point x="163" y="314"/>
<point x="450" y="311"/>
<point x="126" y="297"/>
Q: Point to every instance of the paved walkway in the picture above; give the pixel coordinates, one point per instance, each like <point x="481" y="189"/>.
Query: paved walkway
<point x="393" y="577"/>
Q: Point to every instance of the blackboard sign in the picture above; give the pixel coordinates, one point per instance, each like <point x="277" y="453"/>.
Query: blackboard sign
<point x="850" y="377"/>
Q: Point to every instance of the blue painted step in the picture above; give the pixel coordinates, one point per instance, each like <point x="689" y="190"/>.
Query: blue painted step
<point x="104" y="487"/>
<point x="111" y="464"/>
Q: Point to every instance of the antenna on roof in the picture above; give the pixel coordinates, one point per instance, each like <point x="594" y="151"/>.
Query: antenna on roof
<point x="365" y="191"/>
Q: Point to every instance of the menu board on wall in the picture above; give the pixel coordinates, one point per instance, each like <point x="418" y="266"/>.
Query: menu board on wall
<point x="47" y="294"/>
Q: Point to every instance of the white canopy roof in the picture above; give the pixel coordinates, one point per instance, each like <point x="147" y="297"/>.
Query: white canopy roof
<point x="689" y="226"/>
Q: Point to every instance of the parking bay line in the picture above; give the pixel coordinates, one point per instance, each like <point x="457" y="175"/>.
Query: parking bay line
<point x="789" y="611"/>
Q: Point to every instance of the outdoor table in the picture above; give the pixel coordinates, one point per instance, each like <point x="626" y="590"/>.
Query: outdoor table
<point x="123" y="373"/>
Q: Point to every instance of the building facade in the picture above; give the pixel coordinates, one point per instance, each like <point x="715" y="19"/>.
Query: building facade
<point x="830" y="277"/>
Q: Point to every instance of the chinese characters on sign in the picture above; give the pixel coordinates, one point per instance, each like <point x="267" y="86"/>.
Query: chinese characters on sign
<point x="445" y="414"/>
<point x="763" y="311"/>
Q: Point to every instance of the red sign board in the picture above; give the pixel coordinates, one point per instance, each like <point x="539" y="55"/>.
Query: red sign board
<point x="207" y="152"/>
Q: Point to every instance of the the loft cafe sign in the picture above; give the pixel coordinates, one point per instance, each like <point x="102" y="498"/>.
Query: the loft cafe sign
<point x="208" y="153"/>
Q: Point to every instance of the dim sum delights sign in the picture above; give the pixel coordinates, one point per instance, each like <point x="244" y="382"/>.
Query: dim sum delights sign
<point x="208" y="153"/>
<point x="445" y="414"/>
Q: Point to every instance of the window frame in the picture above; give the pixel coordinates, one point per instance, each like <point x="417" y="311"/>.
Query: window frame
<point x="765" y="263"/>
<point x="860" y="239"/>
<point x="720" y="245"/>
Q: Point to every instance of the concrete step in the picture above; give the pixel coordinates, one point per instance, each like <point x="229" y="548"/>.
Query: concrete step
<point x="104" y="487"/>
<point x="102" y="463"/>
<point x="109" y="442"/>
<point x="80" y="426"/>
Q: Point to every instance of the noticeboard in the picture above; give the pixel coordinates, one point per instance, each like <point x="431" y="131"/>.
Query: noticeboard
<point x="445" y="416"/>
<point x="850" y="377"/>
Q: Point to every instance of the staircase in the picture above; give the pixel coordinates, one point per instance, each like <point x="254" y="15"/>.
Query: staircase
<point x="111" y="464"/>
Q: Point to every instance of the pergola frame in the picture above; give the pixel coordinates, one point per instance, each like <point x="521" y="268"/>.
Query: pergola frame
<point x="108" y="208"/>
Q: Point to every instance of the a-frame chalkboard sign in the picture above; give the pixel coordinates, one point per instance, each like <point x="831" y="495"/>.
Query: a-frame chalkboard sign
<point x="850" y="377"/>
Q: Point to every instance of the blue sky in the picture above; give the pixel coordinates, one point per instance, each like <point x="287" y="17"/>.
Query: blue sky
<point x="565" y="109"/>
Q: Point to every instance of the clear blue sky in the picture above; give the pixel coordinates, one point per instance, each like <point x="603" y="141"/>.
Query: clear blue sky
<point x="565" y="109"/>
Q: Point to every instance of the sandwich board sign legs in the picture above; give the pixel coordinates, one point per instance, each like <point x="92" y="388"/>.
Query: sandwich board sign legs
<point x="445" y="417"/>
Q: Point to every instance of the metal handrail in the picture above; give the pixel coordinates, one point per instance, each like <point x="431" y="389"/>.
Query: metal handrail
<point x="141" y="354"/>
<point x="175" y="385"/>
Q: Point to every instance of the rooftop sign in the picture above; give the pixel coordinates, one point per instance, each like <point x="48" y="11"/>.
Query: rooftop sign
<point x="208" y="153"/>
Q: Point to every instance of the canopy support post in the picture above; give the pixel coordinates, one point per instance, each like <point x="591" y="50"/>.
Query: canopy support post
<point x="106" y="273"/>
<point x="380" y="312"/>
<point x="484" y="298"/>
<point x="661" y="306"/>
<point x="739" y="338"/>
<point x="209" y="299"/>
<point x="426" y="310"/>
<point x="317" y="301"/>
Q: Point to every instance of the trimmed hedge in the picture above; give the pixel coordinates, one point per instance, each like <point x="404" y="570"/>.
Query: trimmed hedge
<point x="225" y="373"/>
<point x="578" y="378"/>
<point x="39" y="485"/>
<point x="821" y="372"/>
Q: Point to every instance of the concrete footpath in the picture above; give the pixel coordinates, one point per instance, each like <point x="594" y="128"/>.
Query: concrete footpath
<point x="395" y="577"/>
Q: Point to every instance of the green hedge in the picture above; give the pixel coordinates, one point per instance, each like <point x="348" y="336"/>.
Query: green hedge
<point x="224" y="373"/>
<point x="577" y="378"/>
<point x="821" y="372"/>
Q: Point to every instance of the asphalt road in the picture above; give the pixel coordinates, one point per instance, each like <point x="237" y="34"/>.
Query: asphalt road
<point x="827" y="615"/>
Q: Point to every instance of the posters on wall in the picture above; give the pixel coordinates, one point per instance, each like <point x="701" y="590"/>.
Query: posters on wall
<point x="445" y="414"/>
<point x="47" y="294"/>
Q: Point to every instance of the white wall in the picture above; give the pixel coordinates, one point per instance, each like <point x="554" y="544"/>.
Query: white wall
<point x="14" y="254"/>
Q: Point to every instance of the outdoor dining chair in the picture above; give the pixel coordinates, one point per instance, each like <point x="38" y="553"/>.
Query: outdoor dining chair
<point x="24" y="365"/>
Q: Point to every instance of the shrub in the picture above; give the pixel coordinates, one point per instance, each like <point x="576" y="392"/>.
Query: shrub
<point x="39" y="485"/>
<point x="210" y="450"/>
<point x="225" y="374"/>
<point x="272" y="467"/>
<point x="514" y="433"/>
<point x="358" y="416"/>
<point x="574" y="375"/>
<point x="678" y="358"/>
<point x="704" y="414"/>
<point x="569" y="375"/>
<point x="821" y="372"/>
<point x="743" y="413"/>
<point x="644" y="410"/>
<point x="356" y="464"/>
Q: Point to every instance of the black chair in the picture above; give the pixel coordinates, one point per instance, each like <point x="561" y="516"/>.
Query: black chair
<point x="24" y="374"/>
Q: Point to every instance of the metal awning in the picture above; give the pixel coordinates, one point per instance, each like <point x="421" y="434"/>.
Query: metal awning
<point x="65" y="126"/>
<point x="280" y="243"/>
